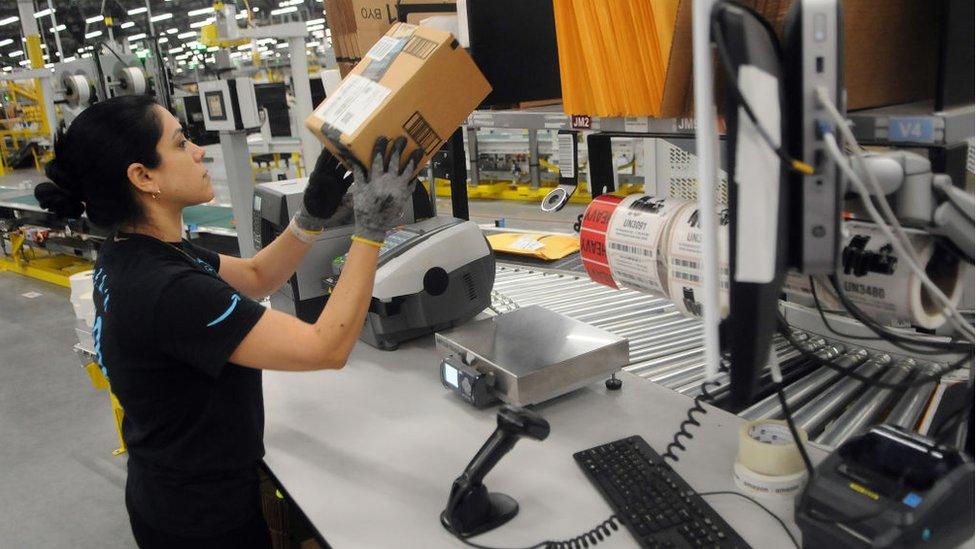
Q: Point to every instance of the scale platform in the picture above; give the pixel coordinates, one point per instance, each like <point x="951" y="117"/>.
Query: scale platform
<point x="534" y="354"/>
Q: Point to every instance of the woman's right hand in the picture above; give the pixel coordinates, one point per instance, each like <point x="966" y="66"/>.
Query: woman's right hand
<point x="380" y="195"/>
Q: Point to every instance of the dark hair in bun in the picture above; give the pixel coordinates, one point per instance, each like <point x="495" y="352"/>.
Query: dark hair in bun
<point x="91" y="160"/>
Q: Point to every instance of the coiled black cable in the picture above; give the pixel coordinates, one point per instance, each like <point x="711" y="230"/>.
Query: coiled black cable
<point x="603" y="531"/>
<point x="676" y="444"/>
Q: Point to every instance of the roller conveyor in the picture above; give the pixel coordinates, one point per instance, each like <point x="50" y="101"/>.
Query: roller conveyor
<point x="666" y="347"/>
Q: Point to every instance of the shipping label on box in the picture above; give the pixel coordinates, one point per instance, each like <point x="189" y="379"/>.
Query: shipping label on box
<point x="413" y="82"/>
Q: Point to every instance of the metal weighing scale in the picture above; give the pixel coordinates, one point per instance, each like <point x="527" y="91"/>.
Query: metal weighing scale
<point x="527" y="356"/>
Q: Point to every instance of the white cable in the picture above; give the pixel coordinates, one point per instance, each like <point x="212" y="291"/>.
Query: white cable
<point x="848" y="137"/>
<point x="948" y="309"/>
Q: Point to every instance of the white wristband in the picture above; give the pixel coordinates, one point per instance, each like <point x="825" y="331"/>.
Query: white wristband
<point x="304" y="235"/>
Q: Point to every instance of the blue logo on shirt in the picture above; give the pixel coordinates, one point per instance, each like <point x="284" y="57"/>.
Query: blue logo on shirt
<point x="234" y="299"/>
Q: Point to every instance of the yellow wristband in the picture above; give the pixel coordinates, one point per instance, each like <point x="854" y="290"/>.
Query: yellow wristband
<point x="367" y="241"/>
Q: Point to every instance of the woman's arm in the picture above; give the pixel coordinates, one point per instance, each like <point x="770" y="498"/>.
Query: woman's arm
<point x="268" y="270"/>
<point x="282" y="342"/>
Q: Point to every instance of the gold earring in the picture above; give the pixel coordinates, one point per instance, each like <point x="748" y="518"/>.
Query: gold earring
<point x="156" y="194"/>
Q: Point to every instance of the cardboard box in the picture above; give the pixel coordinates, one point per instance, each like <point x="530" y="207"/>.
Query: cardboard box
<point x="358" y="24"/>
<point x="415" y="82"/>
<point x="891" y="52"/>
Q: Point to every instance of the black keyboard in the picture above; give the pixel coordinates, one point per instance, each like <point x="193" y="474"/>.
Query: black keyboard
<point x="652" y="500"/>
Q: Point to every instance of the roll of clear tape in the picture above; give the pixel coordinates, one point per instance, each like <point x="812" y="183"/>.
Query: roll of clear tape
<point x="890" y="293"/>
<point x="768" y="462"/>
<point x="77" y="90"/>
<point x="133" y="80"/>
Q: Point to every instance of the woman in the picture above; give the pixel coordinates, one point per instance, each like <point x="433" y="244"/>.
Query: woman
<point x="177" y="331"/>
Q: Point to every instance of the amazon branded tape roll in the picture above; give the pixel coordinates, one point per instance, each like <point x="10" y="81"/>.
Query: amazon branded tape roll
<point x="77" y="90"/>
<point x="768" y="463"/>
<point x="882" y="284"/>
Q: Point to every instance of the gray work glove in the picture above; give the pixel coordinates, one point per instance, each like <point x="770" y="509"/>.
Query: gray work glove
<point x="378" y="197"/>
<point x="325" y="201"/>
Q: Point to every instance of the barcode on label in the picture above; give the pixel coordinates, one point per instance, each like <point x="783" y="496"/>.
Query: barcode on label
<point x="690" y="277"/>
<point x="420" y="47"/>
<point x="421" y="132"/>
<point x="355" y="100"/>
<point x="687" y="263"/>
<point x="382" y="48"/>
<point x="567" y="155"/>
<point x="630" y="280"/>
<point x="636" y="250"/>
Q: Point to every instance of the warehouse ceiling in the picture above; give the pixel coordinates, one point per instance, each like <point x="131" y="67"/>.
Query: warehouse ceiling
<point x="80" y="26"/>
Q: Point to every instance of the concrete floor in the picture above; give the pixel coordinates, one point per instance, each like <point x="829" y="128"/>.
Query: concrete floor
<point x="60" y="484"/>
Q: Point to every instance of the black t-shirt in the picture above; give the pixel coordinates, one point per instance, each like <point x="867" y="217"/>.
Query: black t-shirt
<point x="165" y="326"/>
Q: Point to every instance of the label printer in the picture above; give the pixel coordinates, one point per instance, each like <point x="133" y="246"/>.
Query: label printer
<point x="432" y="275"/>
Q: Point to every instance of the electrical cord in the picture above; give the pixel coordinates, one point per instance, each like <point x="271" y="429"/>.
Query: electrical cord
<point x="849" y="372"/>
<point x="760" y="505"/>
<point x="900" y="240"/>
<point x="725" y="61"/>
<point x="675" y="446"/>
<point x="591" y="538"/>
<point x="886" y="334"/>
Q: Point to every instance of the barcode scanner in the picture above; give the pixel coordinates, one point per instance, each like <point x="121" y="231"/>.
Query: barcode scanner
<point x="471" y="509"/>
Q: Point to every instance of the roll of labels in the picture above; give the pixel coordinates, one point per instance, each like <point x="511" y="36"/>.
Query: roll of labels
<point x="77" y="89"/>
<point x="768" y="463"/>
<point x="654" y="245"/>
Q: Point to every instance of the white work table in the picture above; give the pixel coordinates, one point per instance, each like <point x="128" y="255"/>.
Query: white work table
<point x="369" y="454"/>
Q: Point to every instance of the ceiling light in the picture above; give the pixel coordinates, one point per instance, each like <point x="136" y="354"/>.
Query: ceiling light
<point x="93" y="34"/>
<point x="49" y="65"/>
<point x="24" y="63"/>
<point x="203" y="23"/>
<point x="240" y="16"/>
<point x="173" y="30"/>
<point x="135" y="37"/>
<point x="86" y="56"/>
<point x="163" y="40"/>
<point x="127" y="24"/>
<point x="282" y="11"/>
<point x="255" y="9"/>
<point x="161" y="17"/>
<point x="6" y="42"/>
<point x="194" y="13"/>
<point x="9" y="20"/>
<point x="69" y="59"/>
<point x="314" y="22"/>
<point x="212" y="49"/>
<point x="42" y="13"/>
<point x="313" y="44"/>
<point x="282" y="45"/>
<point x="8" y="69"/>
<point x="176" y="50"/>
<point x="95" y="19"/>
<point x="186" y="35"/>
<point x="58" y="28"/>
<point x="137" y="11"/>
<point x="16" y="53"/>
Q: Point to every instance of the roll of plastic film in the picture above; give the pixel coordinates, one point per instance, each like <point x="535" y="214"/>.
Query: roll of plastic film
<point x="768" y="463"/>
<point x="882" y="284"/>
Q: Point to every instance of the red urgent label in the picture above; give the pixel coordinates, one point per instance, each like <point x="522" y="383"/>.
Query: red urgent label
<point x="593" y="239"/>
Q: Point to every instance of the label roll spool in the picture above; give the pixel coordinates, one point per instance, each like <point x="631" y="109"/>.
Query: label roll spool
<point x="77" y="90"/>
<point x="132" y="80"/>
<point x="768" y="463"/>
<point x="684" y="257"/>
<point x="650" y="245"/>
<point x="882" y="284"/>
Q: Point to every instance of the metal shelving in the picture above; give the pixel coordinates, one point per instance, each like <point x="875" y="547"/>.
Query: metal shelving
<point x="553" y="118"/>
<point x="913" y="124"/>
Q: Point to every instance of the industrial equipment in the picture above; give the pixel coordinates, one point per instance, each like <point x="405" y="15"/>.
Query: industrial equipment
<point x="432" y="275"/>
<point x="527" y="356"/>
<point x="889" y="488"/>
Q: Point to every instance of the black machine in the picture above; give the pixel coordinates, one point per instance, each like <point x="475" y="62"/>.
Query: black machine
<point x="651" y="499"/>
<point x="889" y="488"/>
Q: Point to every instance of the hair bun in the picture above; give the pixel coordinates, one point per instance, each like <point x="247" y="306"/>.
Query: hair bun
<point x="58" y="200"/>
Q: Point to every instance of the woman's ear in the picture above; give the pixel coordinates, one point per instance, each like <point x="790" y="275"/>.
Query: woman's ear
<point x="140" y="177"/>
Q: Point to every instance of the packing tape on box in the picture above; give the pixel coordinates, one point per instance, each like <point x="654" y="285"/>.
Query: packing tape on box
<point x="890" y="292"/>
<point x="768" y="462"/>
<point x="650" y="245"/>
